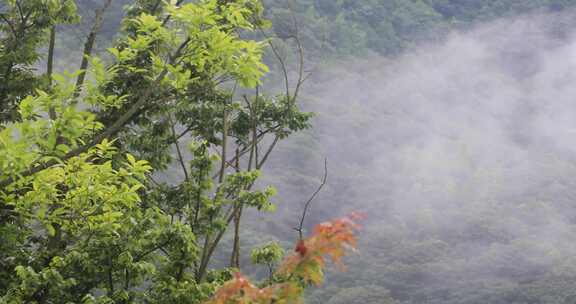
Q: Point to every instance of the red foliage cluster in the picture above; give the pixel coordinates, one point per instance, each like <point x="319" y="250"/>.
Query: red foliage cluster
<point x="240" y="290"/>
<point x="330" y="239"/>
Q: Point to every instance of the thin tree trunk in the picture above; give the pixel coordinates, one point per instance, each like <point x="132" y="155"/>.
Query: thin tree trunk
<point x="235" y="258"/>
<point x="50" y="66"/>
<point x="178" y="151"/>
<point x="224" y="144"/>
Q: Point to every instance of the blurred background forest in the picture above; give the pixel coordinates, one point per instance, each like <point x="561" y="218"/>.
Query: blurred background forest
<point x="457" y="217"/>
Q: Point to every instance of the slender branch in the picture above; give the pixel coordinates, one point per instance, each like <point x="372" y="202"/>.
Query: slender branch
<point x="196" y="222"/>
<point x="300" y="52"/>
<point x="154" y="248"/>
<point x="12" y="29"/>
<point x="126" y="279"/>
<point x="50" y="66"/>
<point x="89" y="45"/>
<point x="225" y="138"/>
<point x="235" y="257"/>
<point x="110" y="278"/>
<point x="301" y="77"/>
<point x="210" y="247"/>
<point x="203" y="260"/>
<point x="234" y="161"/>
<point x="270" y="148"/>
<point x="255" y="126"/>
<point x="165" y="21"/>
<point x="155" y="7"/>
<point x="237" y="161"/>
<point x="152" y="179"/>
<point x="178" y="151"/>
<point x="224" y="144"/>
<point x="253" y="144"/>
<point x="197" y="210"/>
<point x="280" y="60"/>
<point x="270" y="273"/>
<point x="22" y="19"/>
<point x="311" y="199"/>
<point x="184" y="132"/>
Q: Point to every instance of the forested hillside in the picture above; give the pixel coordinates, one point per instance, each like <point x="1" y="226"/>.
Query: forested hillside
<point x="354" y="27"/>
<point x="347" y="27"/>
<point x="176" y="151"/>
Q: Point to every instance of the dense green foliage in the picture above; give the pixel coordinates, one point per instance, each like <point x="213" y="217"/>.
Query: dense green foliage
<point x="83" y="218"/>
<point x="24" y="28"/>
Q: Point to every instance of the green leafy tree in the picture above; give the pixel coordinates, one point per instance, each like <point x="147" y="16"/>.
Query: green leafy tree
<point x="83" y="217"/>
<point x="24" y="27"/>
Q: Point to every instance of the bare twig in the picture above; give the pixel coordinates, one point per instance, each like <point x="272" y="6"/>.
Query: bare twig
<point x="296" y="37"/>
<point x="270" y="148"/>
<point x="308" y="203"/>
<point x="280" y="60"/>
<point x="178" y="151"/>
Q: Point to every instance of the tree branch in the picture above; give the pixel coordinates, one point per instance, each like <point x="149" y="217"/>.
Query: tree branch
<point x="12" y="29"/>
<point x="178" y="151"/>
<point x="270" y="148"/>
<point x="209" y="248"/>
<point x="296" y="37"/>
<point x="89" y="45"/>
<point x="311" y="199"/>
<point x="50" y="66"/>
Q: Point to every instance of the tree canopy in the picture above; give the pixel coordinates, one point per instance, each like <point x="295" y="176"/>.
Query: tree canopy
<point x="83" y="216"/>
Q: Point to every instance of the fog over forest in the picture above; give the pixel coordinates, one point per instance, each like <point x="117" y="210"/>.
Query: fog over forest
<point x="467" y="146"/>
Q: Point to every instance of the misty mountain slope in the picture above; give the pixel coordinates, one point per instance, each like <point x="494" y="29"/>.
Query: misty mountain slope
<point x="464" y="156"/>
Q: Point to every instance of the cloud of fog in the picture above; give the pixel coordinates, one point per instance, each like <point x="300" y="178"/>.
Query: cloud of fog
<point x="471" y="141"/>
